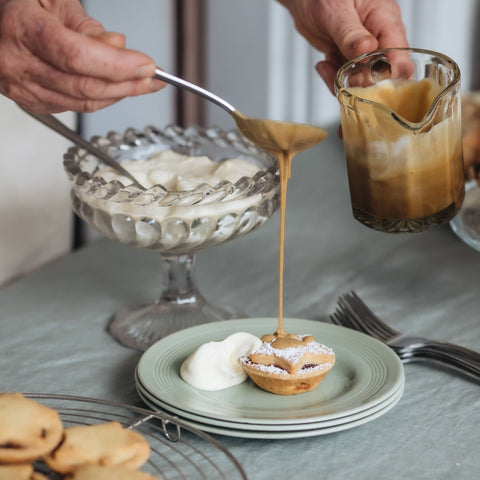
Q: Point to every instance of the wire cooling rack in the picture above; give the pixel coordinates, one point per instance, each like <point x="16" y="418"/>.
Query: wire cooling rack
<point x="177" y="450"/>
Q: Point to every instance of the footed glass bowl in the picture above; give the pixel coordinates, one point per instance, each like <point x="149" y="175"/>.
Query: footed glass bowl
<point x="175" y="223"/>
<point x="466" y="224"/>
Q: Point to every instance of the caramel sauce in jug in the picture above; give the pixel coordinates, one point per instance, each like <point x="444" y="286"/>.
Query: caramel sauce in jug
<point x="403" y="153"/>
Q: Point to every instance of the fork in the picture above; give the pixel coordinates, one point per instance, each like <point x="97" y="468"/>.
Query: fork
<point x="353" y="313"/>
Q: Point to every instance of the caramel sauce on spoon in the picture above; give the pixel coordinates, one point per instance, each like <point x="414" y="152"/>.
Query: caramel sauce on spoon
<point x="284" y="140"/>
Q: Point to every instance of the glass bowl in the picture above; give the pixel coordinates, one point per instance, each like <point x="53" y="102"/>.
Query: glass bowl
<point x="466" y="224"/>
<point x="177" y="224"/>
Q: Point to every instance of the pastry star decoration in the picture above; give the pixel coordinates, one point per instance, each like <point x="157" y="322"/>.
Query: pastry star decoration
<point x="291" y="353"/>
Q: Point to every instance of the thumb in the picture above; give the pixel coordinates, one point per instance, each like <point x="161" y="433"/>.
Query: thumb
<point x="349" y="34"/>
<point x="113" y="39"/>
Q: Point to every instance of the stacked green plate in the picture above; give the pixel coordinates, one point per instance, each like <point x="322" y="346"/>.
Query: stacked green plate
<point x="366" y="382"/>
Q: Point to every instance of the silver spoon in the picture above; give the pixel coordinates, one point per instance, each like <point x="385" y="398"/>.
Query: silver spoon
<point x="62" y="129"/>
<point x="271" y="135"/>
<point x="191" y="87"/>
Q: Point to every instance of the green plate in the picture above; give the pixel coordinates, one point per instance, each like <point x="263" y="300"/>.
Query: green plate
<point x="366" y="373"/>
<point x="354" y="418"/>
<point x="300" y="430"/>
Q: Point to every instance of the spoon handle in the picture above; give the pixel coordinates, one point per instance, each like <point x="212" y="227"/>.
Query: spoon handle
<point x="191" y="87"/>
<point x="62" y="129"/>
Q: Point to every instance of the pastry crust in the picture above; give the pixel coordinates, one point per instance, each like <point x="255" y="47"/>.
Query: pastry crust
<point x="105" y="444"/>
<point x="28" y="429"/>
<point x="289" y="370"/>
<point x="276" y="380"/>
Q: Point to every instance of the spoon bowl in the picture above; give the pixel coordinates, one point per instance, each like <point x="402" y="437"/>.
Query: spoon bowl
<point x="273" y="136"/>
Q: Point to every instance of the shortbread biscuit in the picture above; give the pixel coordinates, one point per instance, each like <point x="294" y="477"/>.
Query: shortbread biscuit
<point x="95" y="472"/>
<point x="288" y="364"/>
<point x="105" y="444"/>
<point x="28" y="429"/>
<point x="19" y="472"/>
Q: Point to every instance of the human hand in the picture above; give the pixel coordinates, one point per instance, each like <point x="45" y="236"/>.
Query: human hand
<point x="345" y="29"/>
<point x="54" y="57"/>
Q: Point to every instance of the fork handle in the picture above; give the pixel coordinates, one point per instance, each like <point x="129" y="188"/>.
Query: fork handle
<point x="450" y="349"/>
<point x="447" y="357"/>
<point x="442" y="359"/>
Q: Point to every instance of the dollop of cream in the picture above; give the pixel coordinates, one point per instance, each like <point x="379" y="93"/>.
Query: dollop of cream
<point x="215" y="365"/>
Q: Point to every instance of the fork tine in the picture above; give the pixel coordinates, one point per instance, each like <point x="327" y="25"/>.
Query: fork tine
<point x="353" y="313"/>
<point x="357" y="321"/>
<point x="367" y="315"/>
<point x="362" y="320"/>
<point x="339" y="317"/>
<point x="349" y="317"/>
<point x="342" y="316"/>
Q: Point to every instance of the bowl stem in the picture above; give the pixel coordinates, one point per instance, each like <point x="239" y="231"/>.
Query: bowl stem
<point x="180" y="306"/>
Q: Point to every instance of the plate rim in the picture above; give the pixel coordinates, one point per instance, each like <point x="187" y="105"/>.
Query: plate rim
<point x="290" y="434"/>
<point x="374" y="347"/>
<point x="184" y="414"/>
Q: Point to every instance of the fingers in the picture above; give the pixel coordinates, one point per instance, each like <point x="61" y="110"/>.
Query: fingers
<point x="54" y="57"/>
<point x="327" y="70"/>
<point x="87" y="55"/>
<point x="385" y="23"/>
<point x="64" y="70"/>
<point x="364" y="26"/>
<point x="349" y="34"/>
<point x="38" y="99"/>
<point x="51" y="88"/>
<point x="91" y="88"/>
<point x="113" y="39"/>
<point x="42" y="88"/>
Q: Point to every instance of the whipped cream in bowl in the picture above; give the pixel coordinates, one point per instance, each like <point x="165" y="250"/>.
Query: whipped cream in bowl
<point x="203" y="187"/>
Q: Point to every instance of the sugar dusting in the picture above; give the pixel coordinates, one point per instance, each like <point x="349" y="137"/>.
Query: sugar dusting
<point x="280" y="371"/>
<point x="292" y="355"/>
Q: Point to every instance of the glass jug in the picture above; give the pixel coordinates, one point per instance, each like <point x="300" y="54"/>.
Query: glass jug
<point x="400" y="114"/>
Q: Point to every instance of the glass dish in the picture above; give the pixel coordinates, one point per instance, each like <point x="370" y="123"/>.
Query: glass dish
<point x="177" y="224"/>
<point x="466" y="224"/>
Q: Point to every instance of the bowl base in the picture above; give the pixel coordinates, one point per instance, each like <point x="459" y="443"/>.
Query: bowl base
<point x="466" y="224"/>
<point x="140" y="327"/>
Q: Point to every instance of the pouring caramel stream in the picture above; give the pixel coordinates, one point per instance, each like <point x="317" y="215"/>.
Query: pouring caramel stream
<point x="284" y="140"/>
